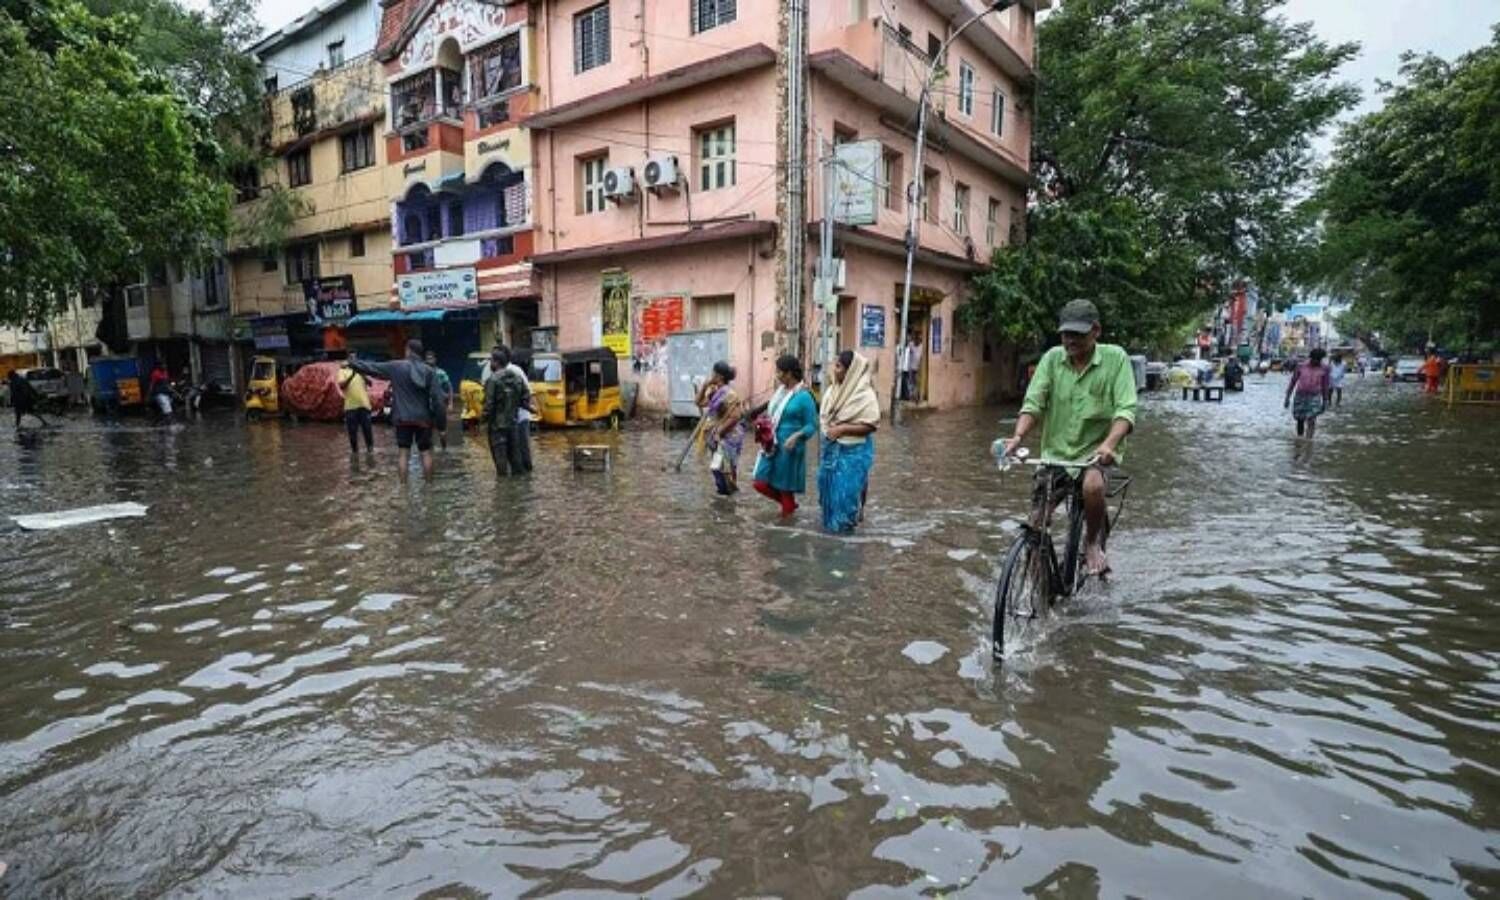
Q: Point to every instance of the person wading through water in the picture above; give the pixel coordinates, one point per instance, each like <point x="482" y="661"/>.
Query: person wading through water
<point x="417" y="400"/>
<point x="505" y="393"/>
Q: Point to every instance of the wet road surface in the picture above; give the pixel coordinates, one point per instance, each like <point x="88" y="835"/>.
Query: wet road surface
<point x="296" y="677"/>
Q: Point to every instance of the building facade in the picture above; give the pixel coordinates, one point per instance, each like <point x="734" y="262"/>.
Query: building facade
<point x="459" y="175"/>
<point x="661" y="138"/>
<point x="325" y="97"/>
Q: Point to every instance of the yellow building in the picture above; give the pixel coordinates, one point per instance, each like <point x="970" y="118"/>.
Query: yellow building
<point x="326" y="103"/>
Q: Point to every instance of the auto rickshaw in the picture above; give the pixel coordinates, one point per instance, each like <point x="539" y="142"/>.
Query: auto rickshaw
<point x="577" y="386"/>
<point x="263" y="394"/>
<point x="471" y="388"/>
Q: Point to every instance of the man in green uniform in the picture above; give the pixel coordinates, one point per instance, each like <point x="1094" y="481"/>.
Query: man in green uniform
<point x="1084" y="394"/>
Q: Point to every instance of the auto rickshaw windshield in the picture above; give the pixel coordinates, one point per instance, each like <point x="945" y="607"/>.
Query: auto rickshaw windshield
<point x="264" y="371"/>
<point x="546" y="370"/>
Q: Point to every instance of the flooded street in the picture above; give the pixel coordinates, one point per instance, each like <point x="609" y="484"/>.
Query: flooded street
<point x="297" y="677"/>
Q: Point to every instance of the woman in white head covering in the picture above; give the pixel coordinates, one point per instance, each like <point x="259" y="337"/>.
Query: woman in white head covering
<point x="850" y="414"/>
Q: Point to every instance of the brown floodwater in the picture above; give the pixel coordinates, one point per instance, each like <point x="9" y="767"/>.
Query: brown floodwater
<point x="298" y="677"/>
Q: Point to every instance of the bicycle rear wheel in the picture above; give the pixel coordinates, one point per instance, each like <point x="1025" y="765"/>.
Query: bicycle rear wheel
<point x="1023" y="594"/>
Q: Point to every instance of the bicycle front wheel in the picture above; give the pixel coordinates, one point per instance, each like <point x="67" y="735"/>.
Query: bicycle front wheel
<point x="1022" y="596"/>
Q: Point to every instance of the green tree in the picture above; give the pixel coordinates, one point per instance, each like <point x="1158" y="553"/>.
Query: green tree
<point x="1411" y="205"/>
<point x="105" y="167"/>
<point x="1172" y="140"/>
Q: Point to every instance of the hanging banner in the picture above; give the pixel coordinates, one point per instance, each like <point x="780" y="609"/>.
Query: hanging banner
<point x="615" y="313"/>
<point x="856" y="183"/>
<point x="330" y="300"/>
<point x="440" y="289"/>
<point x="872" y="326"/>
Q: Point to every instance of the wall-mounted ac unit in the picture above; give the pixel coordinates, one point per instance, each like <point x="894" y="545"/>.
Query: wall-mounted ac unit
<point x="619" y="183"/>
<point x="837" y="273"/>
<point x="660" y="173"/>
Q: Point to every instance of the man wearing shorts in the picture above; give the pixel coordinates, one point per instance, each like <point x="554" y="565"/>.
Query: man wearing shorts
<point x="1084" y="394"/>
<point x="412" y="387"/>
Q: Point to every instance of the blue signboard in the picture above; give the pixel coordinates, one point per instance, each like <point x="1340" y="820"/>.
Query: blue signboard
<point x="937" y="335"/>
<point x="872" y="326"/>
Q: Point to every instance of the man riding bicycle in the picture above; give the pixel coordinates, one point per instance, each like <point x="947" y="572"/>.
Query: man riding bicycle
<point x="1084" y="393"/>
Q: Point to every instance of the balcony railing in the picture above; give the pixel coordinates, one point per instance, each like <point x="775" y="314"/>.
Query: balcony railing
<point x="903" y="64"/>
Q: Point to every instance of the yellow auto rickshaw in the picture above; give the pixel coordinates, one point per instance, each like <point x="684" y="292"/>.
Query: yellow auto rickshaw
<point x="263" y="394"/>
<point x="577" y="387"/>
<point x="471" y="387"/>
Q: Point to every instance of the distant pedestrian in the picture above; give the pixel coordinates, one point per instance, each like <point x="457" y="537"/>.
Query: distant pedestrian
<point x="441" y="413"/>
<point x="23" y="397"/>
<point x="1338" y="370"/>
<point x="1432" y="371"/>
<point x="520" y="361"/>
<point x="1307" y="393"/>
<point x="723" y="427"/>
<point x="850" y="414"/>
<point x="159" y="390"/>
<point x="911" y="365"/>
<point x="504" y="393"/>
<point x="356" y="406"/>
<point x="781" y="469"/>
<point x="416" y="398"/>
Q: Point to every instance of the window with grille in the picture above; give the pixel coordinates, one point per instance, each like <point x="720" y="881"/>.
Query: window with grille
<point x="591" y="38"/>
<point x="992" y="222"/>
<point x="591" y="177"/>
<point x="356" y="245"/>
<point x="268" y="262"/>
<point x="890" y="180"/>
<point x="708" y="14"/>
<point x="414" y="99"/>
<point x="304" y="111"/>
<point x="496" y="69"/>
<point x="966" y="89"/>
<point x="301" y="262"/>
<point x="336" y="54"/>
<point x="299" y="167"/>
<point x="960" y="208"/>
<point x="357" y="149"/>
<point x="930" y="185"/>
<point x="716" y="157"/>
<point x="997" y="114"/>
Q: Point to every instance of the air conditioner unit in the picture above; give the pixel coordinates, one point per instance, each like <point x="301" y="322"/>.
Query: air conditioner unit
<point x="660" y="173"/>
<point x="837" y="273"/>
<point x="619" y="184"/>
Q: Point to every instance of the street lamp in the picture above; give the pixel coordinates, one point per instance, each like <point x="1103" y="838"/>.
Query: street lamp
<point x="918" y="179"/>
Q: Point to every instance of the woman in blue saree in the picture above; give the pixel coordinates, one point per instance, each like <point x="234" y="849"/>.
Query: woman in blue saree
<point x="850" y="414"/>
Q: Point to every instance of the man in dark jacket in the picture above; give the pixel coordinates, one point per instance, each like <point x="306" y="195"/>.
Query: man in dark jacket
<point x="505" y="393"/>
<point x="23" y="397"/>
<point x="412" y="390"/>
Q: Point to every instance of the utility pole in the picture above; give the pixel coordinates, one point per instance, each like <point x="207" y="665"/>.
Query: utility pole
<point x="792" y="205"/>
<point x="824" y="296"/>
<point x="918" y="184"/>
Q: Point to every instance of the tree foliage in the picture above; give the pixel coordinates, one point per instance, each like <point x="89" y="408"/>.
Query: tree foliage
<point x="1171" y="141"/>
<point x="108" y="163"/>
<point x="1411" y="205"/>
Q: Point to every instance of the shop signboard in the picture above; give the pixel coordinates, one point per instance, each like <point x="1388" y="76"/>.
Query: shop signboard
<point x="937" y="335"/>
<point x="330" y="300"/>
<point x="872" y="325"/>
<point x="440" y="289"/>
<point x="856" y="183"/>
<point x="270" y="333"/>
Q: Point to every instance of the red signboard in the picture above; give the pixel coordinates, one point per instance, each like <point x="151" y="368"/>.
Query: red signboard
<point x="661" y="317"/>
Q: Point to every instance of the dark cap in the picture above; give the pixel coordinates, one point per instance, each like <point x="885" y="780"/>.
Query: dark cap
<point x="1078" y="315"/>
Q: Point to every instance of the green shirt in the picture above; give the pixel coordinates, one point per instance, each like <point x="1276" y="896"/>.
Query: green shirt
<point x="1077" y="409"/>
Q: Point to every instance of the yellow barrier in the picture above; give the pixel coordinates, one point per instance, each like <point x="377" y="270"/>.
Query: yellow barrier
<point x="1474" y="383"/>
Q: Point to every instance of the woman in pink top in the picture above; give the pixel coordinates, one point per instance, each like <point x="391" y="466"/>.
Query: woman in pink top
<point x="1311" y="384"/>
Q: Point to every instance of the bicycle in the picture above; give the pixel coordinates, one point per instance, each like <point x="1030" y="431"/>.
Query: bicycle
<point x="1031" y="580"/>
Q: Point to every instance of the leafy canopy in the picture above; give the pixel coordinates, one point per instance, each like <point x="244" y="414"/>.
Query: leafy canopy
<point x="1411" y="206"/>
<point x="1172" y="139"/>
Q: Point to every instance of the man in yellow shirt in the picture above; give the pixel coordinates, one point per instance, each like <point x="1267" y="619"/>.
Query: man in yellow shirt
<point x="356" y="407"/>
<point x="1084" y="395"/>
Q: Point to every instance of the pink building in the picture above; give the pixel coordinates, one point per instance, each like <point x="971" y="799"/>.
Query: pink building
<point x="662" y="187"/>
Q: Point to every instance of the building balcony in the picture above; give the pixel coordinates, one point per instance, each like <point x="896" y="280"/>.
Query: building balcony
<point x="487" y="249"/>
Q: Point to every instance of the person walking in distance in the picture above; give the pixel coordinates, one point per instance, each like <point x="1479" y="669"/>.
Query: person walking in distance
<point x="445" y="384"/>
<point x="1337" y="371"/>
<point x="504" y="394"/>
<point x="519" y="362"/>
<point x="416" y="400"/>
<point x="1432" y="371"/>
<point x="1307" y="393"/>
<point x="849" y="417"/>
<point x="723" y="427"/>
<point x="1084" y="395"/>
<point x="911" y="365"/>
<point x="356" y="392"/>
